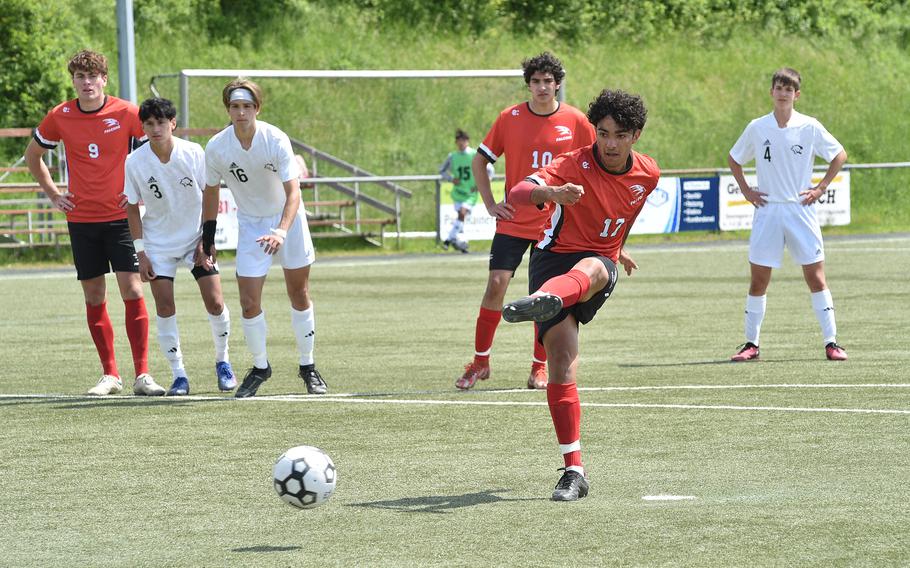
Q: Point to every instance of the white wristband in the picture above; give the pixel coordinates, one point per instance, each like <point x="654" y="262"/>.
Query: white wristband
<point x="279" y="233"/>
<point x="139" y="245"/>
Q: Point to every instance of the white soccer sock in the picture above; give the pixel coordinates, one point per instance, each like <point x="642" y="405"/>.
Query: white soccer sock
<point x="221" y="330"/>
<point x="304" y="324"/>
<point x="755" y="314"/>
<point x="169" y="340"/>
<point x="824" y="312"/>
<point x="457" y="227"/>
<point x="255" y="332"/>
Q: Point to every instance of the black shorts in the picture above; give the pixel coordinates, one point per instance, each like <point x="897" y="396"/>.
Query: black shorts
<point x="507" y="251"/>
<point x="197" y="272"/>
<point x="99" y="248"/>
<point x="546" y="264"/>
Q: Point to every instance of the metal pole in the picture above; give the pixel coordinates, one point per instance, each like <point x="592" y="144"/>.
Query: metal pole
<point x="126" y="48"/>
<point x="184" y="118"/>
<point x="438" y="217"/>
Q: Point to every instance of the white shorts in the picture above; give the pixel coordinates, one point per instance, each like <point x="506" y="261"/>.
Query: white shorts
<point x="252" y="260"/>
<point x="166" y="265"/>
<point x="793" y="225"/>
<point x="459" y="205"/>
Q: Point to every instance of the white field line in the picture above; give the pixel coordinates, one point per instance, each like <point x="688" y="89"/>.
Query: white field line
<point x="668" y="497"/>
<point x="428" y="402"/>
<point x="861" y="244"/>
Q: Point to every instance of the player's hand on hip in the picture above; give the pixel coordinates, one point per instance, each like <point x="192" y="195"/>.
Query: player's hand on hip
<point x="811" y="195"/>
<point x="755" y="197"/>
<point x="627" y="262"/>
<point x="502" y="210"/>
<point x="270" y="243"/>
<point x="566" y="194"/>
<point x="63" y="202"/>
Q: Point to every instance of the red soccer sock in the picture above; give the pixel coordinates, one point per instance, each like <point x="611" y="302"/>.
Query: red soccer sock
<point x="99" y="325"/>
<point x="487" y="321"/>
<point x="137" y="330"/>
<point x="540" y="354"/>
<point x="565" y="409"/>
<point x="571" y="286"/>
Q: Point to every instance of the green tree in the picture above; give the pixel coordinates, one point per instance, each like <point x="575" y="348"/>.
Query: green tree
<point x="36" y="41"/>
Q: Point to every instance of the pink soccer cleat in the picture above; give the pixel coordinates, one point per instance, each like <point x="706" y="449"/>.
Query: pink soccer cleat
<point x="747" y="352"/>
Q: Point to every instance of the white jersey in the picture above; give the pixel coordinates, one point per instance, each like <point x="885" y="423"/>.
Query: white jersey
<point x="172" y="194"/>
<point x="254" y="176"/>
<point x="784" y="156"/>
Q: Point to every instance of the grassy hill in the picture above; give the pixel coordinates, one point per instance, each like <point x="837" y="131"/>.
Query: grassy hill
<point x="700" y="93"/>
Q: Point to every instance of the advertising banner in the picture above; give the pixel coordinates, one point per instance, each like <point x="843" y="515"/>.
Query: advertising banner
<point x="661" y="211"/>
<point x="736" y="212"/>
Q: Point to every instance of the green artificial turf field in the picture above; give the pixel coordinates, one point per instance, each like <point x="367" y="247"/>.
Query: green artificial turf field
<point x="790" y="460"/>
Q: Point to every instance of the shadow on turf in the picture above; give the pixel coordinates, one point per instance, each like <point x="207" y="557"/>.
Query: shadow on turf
<point x="715" y="362"/>
<point x="124" y="402"/>
<point x="441" y="504"/>
<point x="266" y="548"/>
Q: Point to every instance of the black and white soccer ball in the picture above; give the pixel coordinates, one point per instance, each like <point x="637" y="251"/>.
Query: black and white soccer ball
<point x="304" y="477"/>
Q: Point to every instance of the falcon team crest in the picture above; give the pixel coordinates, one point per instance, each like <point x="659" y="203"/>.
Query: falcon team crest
<point x="638" y="193"/>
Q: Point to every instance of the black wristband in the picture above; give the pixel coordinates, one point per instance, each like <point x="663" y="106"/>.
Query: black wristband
<point x="208" y="235"/>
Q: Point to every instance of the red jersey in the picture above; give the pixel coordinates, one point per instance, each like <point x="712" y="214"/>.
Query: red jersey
<point x="97" y="144"/>
<point x="599" y="221"/>
<point x="531" y="141"/>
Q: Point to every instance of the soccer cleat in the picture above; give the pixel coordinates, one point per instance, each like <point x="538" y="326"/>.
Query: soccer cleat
<point x="180" y="387"/>
<point x="252" y="381"/>
<point x="541" y="307"/>
<point x="107" y="384"/>
<point x="572" y="486"/>
<point x="145" y="385"/>
<point x="445" y="244"/>
<point x="472" y="373"/>
<point x="538" y="378"/>
<point x="747" y="352"/>
<point x="835" y="352"/>
<point x="226" y="379"/>
<point x="314" y="381"/>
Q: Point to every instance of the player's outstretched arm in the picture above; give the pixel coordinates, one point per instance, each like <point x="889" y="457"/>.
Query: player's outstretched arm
<point x="529" y="193"/>
<point x="754" y="197"/>
<point x="812" y="194"/>
<point x="500" y="210"/>
<point x="36" y="166"/>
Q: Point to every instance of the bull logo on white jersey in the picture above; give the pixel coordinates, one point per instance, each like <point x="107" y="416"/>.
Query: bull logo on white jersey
<point x="638" y="193"/>
<point x="563" y="133"/>
<point x="186" y="182"/>
<point x="271" y="167"/>
<point x="797" y="149"/>
<point x="112" y="124"/>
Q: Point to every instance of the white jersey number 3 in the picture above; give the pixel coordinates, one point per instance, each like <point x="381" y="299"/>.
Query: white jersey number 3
<point x="607" y="222"/>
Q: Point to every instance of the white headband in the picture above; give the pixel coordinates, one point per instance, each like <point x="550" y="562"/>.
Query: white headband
<point x="242" y="94"/>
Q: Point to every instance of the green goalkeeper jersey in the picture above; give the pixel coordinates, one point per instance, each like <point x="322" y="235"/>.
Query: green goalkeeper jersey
<point x="464" y="189"/>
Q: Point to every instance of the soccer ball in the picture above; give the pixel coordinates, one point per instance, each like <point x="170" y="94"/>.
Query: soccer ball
<point x="304" y="477"/>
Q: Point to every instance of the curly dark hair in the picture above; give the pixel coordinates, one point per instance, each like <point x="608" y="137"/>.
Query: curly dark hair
<point x="546" y="62"/>
<point x="88" y="61"/>
<point x="627" y="110"/>
<point x="157" y="108"/>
